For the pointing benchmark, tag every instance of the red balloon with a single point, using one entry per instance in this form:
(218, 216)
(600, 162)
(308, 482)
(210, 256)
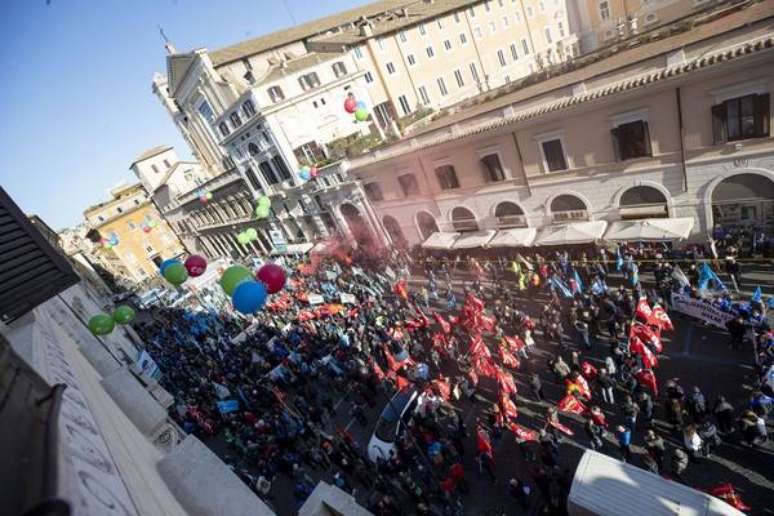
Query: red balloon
(273, 276)
(350, 105)
(195, 265)
(146, 229)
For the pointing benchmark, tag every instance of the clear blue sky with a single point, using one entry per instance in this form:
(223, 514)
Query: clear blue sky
(75, 95)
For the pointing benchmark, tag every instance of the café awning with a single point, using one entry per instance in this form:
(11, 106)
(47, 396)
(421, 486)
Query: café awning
(650, 229)
(440, 240)
(572, 233)
(474, 239)
(514, 237)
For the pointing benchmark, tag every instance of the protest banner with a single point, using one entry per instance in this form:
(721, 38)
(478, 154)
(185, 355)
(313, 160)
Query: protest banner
(146, 366)
(315, 299)
(348, 298)
(226, 406)
(701, 309)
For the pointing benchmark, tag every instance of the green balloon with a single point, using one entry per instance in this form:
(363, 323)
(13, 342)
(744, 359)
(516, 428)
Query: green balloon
(264, 201)
(243, 238)
(101, 324)
(361, 115)
(252, 233)
(262, 212)
(123, 314)
(175, 273)
(233, 276)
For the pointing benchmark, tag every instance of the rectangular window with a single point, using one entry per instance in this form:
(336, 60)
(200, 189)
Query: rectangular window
(359, 52)
(402, 36)
(487, 7)
(268, 173)
(404, 105)
(525, 46)
(474, 73)
(458, 78)
(447, 44)
(373, 191)
(339, 70)
(440, 23)
(456, 17)
(309, 80)
(369, 78)
(206, 111)
(548, 35)
(631, 140)
(493, 169)
(430, 52)
(741, 118)
(380, 43)
(501, 57)
(442, 87)
(517, 17)
(472, 12)
(132, 225)
(423, 96)
(529, 11)
(478, 32)
(409, 185)
(411, 59)
(604, 10)
(390, 68)
(560, 26)
(447, 177)
(542, 6)
(422, 30)
(506, 21)
(281, 167)
(463, 38)
(492, 27)
(553, 153)
(514, 52)
(253, 179)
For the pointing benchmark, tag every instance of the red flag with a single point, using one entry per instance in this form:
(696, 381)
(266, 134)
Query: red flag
(441, 387)
(561, 427)
(377, 370)
(402, 382)
(483, 365)
(474, 302)
(661, 319)
(647, 335)
(583, 387)
(454, 320)
(647, 378)
(727, 492)
(401, 288)
(514, 343)
(508, 359)
(649, 360)
(572, 404)
(505, 381)
(588, 370)
(483, 444)
(473, 376)
(445, 326)
(478, 348)
(422, 320)
(305, 315)
(487, 323)
(439, 341)
(507, 406)
(643, 310)
(523, 434)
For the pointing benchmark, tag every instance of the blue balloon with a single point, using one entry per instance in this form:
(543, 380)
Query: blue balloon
(361, 105)
(249, 297)
(165, 264)
(305, 175)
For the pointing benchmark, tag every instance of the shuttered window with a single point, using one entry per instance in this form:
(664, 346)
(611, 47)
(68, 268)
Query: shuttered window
(741, 118)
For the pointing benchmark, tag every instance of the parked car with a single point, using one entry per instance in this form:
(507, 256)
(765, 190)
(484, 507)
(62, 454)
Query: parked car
(392, 422)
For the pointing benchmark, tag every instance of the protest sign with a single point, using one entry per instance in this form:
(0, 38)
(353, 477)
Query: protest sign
(224, 407)
(315, 299)
(348, 298)
(701, 309)
(146, 366)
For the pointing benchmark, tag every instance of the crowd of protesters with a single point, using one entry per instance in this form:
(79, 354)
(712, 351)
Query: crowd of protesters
(271, 386)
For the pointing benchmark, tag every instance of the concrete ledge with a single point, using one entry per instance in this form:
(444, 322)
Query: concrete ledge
(205, 486)
(327, 499)
(137, 403)
(97, 356)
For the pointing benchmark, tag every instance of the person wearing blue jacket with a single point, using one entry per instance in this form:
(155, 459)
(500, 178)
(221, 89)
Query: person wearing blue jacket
(624, 436)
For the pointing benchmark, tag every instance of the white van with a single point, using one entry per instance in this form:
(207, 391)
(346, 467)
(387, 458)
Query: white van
(391, 423)
(606, 486)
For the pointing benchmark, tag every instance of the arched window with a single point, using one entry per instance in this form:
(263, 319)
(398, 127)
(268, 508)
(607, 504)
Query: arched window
(248, 108)
(393, 229)
(253, 149)
(427, 225)
(509, 215)
(744, 200)
(276, 94)
(463, 219)
(643, 202)
(236, 121)
(224, 130)
(568, 207)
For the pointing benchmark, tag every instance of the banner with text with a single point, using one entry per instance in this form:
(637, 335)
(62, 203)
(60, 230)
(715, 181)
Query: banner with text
(700, 309)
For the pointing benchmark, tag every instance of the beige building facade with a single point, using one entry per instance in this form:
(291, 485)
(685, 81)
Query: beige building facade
(143, 238)
(678, 128)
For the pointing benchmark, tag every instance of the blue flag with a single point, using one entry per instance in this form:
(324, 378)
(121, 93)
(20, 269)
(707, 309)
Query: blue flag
(578, 281)
(561, 286)
(635, 277)
(771, 302)
(707, 275)
(598, 287)
(757, 295)
(618, 259)
(228, 406)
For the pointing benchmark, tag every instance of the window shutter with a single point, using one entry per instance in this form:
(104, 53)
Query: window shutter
(646, 136)
(719, 129)
(616, 143)
(762, 115)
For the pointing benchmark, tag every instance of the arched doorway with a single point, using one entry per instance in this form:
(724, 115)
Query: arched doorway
(641, 202)
(567, 207)
(510, 215)
(744, 200)
(393, 229)
(463, 219)
(427, 225)
(357, 225)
